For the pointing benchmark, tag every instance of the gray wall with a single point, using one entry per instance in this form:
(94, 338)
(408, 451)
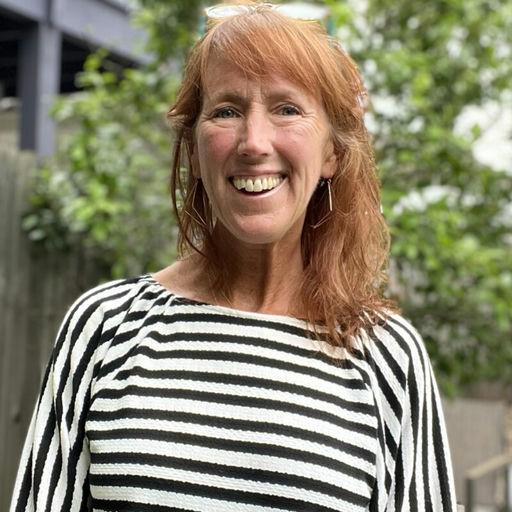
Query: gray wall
(100, 23)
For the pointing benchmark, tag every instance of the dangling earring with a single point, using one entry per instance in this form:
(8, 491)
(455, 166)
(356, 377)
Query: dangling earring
(200, 219)
(329, 193)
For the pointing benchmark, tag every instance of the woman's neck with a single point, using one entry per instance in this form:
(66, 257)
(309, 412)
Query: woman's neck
(261, 278)
(265, 278)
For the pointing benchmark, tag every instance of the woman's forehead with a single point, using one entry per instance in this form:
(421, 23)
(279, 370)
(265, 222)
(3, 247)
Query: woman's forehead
(224, 77)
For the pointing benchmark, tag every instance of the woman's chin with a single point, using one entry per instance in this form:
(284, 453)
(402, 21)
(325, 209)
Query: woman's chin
(261, 231)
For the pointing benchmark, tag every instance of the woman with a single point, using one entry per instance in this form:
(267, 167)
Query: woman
(263, 370)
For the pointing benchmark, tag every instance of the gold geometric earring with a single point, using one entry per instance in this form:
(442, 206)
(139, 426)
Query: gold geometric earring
(329, 193)
(200, 219)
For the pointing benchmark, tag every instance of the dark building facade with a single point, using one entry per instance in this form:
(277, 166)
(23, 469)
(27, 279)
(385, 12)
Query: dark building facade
(43, 44)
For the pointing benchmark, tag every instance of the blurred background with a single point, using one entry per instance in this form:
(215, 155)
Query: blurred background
(84, 169)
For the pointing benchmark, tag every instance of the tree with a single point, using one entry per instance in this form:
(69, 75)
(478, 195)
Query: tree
(424, 65)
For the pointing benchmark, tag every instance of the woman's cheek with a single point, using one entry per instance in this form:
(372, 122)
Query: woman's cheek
(218, 143)
(291, 143)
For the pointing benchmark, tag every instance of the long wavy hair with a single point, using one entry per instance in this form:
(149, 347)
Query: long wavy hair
(345, 257)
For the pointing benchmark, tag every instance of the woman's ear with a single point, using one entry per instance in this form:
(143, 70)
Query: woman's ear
(330, 162)
(194, 160)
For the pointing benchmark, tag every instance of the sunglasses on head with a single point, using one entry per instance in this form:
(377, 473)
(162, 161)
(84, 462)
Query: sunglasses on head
(296, 10)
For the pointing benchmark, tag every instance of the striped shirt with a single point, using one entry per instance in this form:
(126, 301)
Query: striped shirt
(157, 403)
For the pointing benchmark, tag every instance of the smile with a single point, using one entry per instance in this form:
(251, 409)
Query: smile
(255, 185)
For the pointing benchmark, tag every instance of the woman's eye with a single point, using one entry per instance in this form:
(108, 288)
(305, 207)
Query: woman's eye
(226, 113)
(289, 110)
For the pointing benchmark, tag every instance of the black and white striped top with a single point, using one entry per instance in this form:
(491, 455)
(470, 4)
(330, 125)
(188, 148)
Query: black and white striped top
(157, 403)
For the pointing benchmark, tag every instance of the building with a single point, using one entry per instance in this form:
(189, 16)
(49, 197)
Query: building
(43, 44)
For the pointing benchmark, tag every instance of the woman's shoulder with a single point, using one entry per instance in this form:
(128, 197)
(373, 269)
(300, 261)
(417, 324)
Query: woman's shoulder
(394, 333)
(97, 315)
(106, 303)
(393, 346)
(398, 367)
(106, 295)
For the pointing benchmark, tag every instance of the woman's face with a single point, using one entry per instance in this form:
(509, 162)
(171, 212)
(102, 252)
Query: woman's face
(260, 149)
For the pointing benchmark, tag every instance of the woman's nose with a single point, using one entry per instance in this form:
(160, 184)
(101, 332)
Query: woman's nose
(256, 137)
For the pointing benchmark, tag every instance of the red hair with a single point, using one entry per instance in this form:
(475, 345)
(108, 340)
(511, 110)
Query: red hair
(345, 257)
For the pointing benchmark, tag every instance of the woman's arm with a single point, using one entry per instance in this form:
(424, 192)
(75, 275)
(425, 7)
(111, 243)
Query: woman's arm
(416, 470)
(53, 471)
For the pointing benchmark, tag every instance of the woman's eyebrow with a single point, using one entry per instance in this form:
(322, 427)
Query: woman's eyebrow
(228, 96)
(281, 93)
(271, 95)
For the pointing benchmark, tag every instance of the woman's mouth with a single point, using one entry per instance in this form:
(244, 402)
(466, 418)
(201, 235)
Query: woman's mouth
(256, 185)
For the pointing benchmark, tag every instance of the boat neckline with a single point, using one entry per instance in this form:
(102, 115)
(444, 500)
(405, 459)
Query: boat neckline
(227, 309)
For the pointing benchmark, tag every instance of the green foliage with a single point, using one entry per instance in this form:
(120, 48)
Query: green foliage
(450, 216)
(106, 189)
(424, 64)
(171, 26)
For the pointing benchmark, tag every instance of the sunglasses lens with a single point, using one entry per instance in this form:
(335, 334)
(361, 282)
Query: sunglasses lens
(224, 11)
(303, 11)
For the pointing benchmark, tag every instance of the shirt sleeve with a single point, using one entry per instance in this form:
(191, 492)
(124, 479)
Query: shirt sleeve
(53, 470)
(416, 467)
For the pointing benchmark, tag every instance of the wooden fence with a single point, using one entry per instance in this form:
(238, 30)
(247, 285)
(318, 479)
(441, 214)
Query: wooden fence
(35, 291)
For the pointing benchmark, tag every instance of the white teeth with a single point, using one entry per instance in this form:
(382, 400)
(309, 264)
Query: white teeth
(257, 184)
